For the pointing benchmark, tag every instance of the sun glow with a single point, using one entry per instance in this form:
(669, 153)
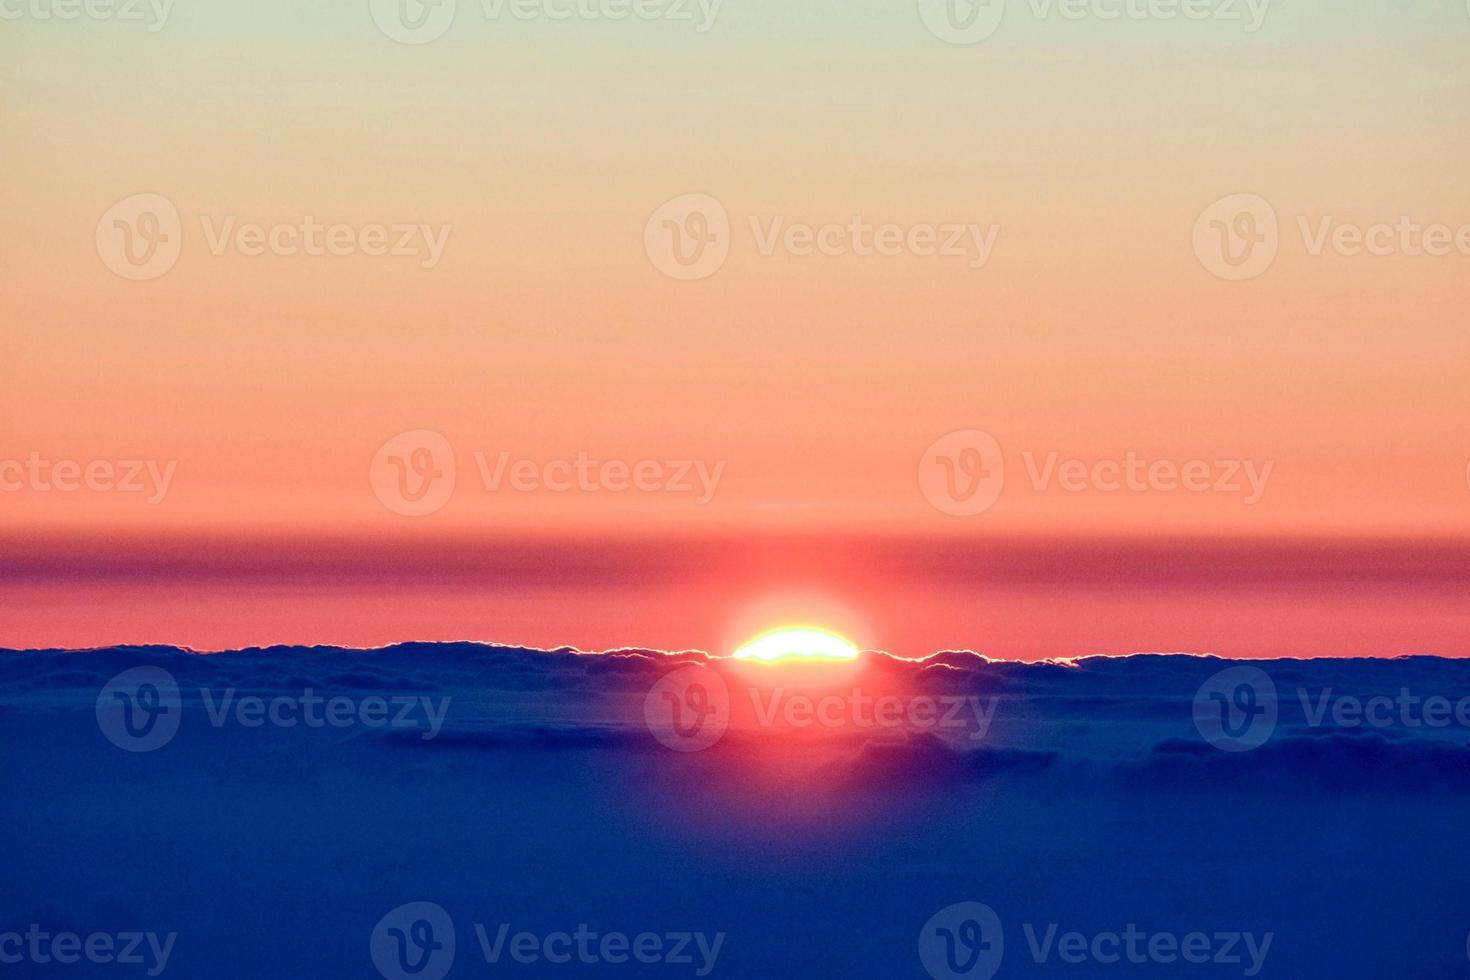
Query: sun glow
(800, 643)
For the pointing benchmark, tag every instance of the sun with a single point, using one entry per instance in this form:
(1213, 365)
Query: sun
(797, 643)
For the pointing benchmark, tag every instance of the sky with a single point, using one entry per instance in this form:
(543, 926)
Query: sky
(1086, 357)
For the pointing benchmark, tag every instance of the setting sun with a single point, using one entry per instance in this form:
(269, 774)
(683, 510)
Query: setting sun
(797, 643)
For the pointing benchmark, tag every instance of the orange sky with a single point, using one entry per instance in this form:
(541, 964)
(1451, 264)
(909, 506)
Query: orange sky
(528, 164)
